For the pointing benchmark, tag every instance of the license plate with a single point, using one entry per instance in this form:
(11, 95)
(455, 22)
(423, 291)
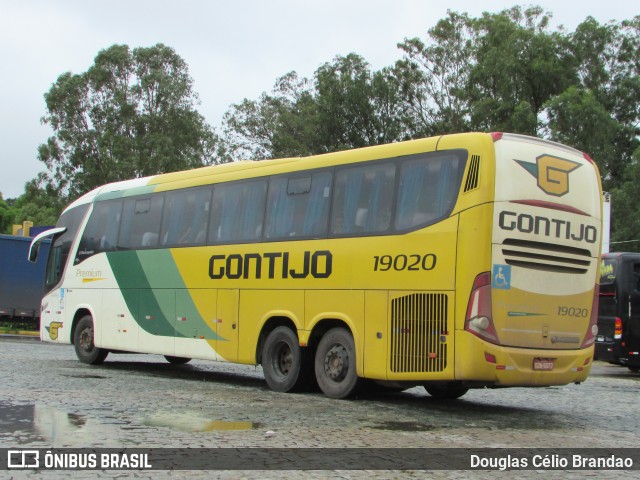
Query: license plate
(543, 363)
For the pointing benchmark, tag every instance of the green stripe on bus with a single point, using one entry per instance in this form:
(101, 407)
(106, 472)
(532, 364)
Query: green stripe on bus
(151, 287)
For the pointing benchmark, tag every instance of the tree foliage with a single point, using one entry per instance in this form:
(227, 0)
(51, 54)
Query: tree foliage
(507, 71)
(431, 77)
(131, 114)
(346, 105)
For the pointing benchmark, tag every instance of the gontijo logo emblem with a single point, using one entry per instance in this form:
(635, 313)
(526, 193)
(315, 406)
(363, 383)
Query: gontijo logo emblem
(552, 173)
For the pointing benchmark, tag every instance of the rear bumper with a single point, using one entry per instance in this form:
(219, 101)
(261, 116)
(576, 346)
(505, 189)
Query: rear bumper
(607, 352)
(494, 365)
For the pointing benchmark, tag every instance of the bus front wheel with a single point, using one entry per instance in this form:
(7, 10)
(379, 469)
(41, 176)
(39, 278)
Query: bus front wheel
(283, 361)
(86, 350)
(335, 364)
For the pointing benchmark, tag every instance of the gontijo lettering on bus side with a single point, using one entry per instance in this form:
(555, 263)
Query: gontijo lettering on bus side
(317, 264)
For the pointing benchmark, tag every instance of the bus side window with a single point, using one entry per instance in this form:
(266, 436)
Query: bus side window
(101, 232)
(428, 189)
(237, 211)
(141, 217)
(186, 217)
(363, 199)
(298, 206)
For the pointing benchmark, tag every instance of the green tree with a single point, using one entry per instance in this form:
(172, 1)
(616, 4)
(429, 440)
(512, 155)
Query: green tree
(601, 113)
(578, 119)
(345, 106)
(356, 107)
(431, 76)
(625, 231)
(518, 66)
(6, 216)
(281, 123)
(131, 114)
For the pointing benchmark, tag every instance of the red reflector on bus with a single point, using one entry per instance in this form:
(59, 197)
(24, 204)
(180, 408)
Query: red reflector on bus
(490, 357)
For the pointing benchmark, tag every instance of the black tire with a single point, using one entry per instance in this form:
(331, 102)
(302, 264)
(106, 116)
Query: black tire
(284, 363)
(177, 360)
(634, 369)
(335, 364)
(86, 351)
(446, 391)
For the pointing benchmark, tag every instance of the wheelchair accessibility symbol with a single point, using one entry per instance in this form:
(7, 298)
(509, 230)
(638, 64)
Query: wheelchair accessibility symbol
(501, 277)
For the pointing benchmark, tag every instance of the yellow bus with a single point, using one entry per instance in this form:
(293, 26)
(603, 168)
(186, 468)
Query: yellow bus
(453, 262)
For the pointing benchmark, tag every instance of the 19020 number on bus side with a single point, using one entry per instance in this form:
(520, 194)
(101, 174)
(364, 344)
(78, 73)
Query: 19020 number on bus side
(415, 262)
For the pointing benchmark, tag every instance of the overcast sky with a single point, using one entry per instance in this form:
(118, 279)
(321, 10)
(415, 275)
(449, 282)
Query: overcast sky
(235, 49)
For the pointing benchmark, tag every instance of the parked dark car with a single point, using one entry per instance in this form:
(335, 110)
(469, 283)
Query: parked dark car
(618, 339)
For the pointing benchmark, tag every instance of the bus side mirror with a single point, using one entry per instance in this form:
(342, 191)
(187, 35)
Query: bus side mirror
(34, 249)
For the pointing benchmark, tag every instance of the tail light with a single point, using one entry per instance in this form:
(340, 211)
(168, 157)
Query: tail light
(592, 331)
(617, 332)
(479, 319)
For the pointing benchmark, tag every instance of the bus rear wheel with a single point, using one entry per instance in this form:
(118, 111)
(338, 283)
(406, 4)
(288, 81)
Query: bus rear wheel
(86, 350)
(284, 362)
(446, 391)
(335, 364)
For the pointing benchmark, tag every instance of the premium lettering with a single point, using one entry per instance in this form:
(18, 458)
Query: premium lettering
(316, 264)
(548, 227)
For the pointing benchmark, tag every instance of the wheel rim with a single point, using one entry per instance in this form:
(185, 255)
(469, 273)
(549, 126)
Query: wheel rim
(336, 363)
(283, 359)
(86, 340)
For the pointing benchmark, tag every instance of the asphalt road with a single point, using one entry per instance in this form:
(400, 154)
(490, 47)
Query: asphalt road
(48, 399)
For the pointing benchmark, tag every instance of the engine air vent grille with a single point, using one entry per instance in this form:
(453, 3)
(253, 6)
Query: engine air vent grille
(546, 257)
(474, 174)
(418, 333)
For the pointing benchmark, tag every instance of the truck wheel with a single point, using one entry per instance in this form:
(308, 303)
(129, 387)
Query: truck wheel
(86, 351)
(335, 364)
(284, 362)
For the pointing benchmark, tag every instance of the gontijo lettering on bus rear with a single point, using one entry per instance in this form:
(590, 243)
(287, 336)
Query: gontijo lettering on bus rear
(547, 226)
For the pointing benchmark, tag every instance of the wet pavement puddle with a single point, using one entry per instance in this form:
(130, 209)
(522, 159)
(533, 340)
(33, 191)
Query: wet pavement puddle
(194, 422)
(32, 422)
